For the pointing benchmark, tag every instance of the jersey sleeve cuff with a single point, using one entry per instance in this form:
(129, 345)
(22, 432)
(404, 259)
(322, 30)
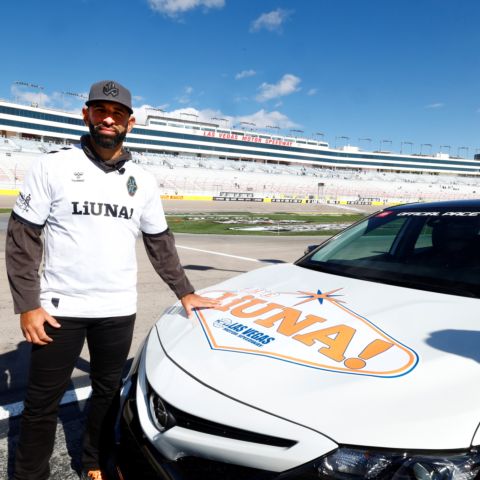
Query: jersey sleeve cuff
(26, 222)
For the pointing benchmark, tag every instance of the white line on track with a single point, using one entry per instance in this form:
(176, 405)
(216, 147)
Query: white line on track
(248, 259)
(79, 394)
(15, 409)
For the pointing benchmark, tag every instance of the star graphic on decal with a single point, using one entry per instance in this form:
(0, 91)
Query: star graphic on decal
(310, 296)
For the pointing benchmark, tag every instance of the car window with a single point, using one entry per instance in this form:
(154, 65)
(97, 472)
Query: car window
(368, 241)
(424, 239)
(437, 251)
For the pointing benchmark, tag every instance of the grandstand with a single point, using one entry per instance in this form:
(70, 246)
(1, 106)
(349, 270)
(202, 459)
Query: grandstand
(191, 176)
(183, 175)
(194, 158)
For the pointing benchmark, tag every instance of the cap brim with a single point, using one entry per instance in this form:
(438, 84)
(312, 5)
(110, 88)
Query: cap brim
(92, 100)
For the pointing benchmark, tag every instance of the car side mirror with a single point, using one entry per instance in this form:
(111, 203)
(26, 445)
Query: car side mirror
(309, 249)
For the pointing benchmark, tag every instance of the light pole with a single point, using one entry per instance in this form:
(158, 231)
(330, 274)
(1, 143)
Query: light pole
(156, 110)
(220, 120)
(190, 115)
(343, 137)
(406, 143)
(30, 85)
(73, 94)
(462, 148)
(248, 123)
(425, 145)
(276, 127)
(446, 146)
(319, 184)
(384, 141)
(296, 131)
(366, 139)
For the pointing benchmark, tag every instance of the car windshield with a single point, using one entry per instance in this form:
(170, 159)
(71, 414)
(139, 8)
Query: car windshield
(436, 250)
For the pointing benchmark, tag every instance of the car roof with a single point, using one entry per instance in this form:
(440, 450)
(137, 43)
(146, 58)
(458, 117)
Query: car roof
(451, 204)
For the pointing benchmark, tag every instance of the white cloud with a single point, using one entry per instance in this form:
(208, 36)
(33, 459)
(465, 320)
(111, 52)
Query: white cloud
(271, 21)
(66, 101)
(29, 97)
(261, 119)
(312, 91)
(245, 74)
(207, 115)
(435, 105)
(241, 98)
(189, 113)
(141, 113)
(287, 85)
(185, 97)
(173, 8)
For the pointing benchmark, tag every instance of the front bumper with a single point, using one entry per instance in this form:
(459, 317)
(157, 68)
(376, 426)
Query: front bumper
(218, 449)
(137, 458)
(214, 437)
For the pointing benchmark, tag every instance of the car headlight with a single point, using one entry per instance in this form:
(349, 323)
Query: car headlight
(351, 463)
(159, 412)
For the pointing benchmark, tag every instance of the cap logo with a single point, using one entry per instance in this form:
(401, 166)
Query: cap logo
(111, 89)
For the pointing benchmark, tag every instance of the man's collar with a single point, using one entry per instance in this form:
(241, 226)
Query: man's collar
(105, 165)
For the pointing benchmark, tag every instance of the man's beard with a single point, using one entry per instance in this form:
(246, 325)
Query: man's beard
(106, 141)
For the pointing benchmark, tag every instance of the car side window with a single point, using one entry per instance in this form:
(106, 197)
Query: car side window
(452, 242)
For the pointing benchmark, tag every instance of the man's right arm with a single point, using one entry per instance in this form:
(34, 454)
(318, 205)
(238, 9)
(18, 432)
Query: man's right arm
(23, 255)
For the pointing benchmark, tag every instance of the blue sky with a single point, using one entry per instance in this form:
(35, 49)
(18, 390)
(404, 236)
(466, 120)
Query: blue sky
(389, 71)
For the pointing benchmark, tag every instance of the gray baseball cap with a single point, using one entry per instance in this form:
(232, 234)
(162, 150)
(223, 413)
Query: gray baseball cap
(110, 91)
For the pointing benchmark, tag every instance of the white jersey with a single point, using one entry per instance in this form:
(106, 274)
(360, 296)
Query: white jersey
(92, 220)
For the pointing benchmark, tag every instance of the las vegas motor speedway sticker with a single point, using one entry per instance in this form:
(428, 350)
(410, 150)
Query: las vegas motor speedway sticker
(309, 328)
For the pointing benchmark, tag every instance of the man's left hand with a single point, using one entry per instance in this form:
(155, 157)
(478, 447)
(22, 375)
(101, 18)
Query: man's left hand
(192, 300)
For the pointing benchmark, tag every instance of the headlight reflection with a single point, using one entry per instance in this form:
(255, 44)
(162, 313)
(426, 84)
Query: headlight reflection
(352, 464)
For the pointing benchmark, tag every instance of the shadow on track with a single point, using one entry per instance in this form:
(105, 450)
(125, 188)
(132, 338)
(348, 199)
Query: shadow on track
(14, 366)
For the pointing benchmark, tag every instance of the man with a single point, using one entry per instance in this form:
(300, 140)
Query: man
(91, 202)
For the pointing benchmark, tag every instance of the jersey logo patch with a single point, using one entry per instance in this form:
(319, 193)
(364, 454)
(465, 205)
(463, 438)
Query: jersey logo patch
(132, 186)
(78, 177)
(23, 202)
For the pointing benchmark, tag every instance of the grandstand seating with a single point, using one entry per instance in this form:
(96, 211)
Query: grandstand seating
(190, 175)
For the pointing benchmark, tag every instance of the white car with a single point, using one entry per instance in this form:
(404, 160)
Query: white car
(359, 361)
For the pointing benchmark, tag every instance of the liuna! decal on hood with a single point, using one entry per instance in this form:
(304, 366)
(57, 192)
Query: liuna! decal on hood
(312, 329)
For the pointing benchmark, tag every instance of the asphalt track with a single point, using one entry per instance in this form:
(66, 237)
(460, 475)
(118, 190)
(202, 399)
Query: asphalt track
(207, 260)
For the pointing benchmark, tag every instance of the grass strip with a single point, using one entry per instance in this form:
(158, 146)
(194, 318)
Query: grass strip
(222, 223)
(235, 223)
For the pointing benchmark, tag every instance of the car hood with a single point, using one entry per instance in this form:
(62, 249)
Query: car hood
(360, 362)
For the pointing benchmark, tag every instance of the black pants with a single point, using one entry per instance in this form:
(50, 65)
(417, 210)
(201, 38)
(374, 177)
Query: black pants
(51, 366)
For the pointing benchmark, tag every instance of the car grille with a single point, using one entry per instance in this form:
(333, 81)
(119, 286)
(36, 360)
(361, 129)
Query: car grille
(191, 422)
